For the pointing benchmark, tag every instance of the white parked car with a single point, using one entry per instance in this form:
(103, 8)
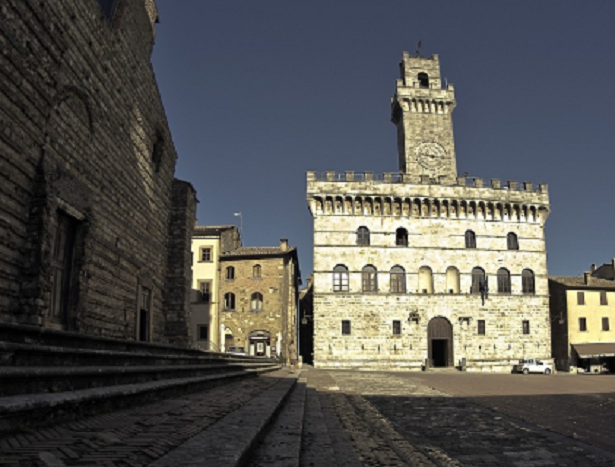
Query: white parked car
(533, 365)
(233, 350)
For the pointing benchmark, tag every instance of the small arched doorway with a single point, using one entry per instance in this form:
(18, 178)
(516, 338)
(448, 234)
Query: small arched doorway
(440, 342)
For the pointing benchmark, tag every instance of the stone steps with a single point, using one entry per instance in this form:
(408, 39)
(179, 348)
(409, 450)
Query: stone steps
(290, 425)
(36, 380)
(49, 376)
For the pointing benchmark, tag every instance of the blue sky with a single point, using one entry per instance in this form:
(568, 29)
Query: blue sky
(259, 92)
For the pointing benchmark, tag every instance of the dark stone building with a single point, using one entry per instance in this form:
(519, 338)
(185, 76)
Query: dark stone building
(94, 230)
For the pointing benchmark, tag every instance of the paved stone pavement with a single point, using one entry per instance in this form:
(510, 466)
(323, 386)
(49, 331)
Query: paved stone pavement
(131, 437)
(578, 406)
(475, 431)
(363, 419)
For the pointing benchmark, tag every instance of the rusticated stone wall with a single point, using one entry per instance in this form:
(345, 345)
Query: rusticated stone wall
(84, 147)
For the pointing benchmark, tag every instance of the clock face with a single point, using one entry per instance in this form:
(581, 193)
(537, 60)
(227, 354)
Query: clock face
(430, 155)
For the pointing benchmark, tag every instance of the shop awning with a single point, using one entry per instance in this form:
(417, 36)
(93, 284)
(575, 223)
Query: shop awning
(601, 349)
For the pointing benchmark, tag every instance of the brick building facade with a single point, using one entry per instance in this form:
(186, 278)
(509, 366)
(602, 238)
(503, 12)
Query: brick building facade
(423, 267)
(94, 229)
(258, 299)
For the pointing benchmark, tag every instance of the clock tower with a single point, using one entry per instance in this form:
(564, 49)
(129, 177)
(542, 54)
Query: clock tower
(422, 110)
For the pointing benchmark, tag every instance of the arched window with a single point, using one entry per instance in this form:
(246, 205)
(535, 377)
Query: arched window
(423, 80)
(363, 236)
(425, 280)
(256, 301)
(527, 281)
(478, 280)
(369, 279)
(401, 237)
(503, 280)
(398, 280)
(229, 301)
(230, 273)
(340, 278)
(511, 241)
(470, 239)
(452, 279)
(256, 270)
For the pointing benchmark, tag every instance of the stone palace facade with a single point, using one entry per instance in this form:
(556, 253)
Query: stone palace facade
(423, 267)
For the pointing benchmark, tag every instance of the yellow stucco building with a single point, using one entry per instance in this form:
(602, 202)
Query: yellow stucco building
(582, 311)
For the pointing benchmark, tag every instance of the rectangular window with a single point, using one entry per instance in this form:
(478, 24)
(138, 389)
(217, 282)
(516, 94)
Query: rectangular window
(206, 255)
(481, 327)
(603, 299)
(144, 314)
(202, 332)
(580, 298)
(396, 328)
(61, 267)
(582, 324)
(205, 291)
(345, 327)
(526, 327)
(605, 324)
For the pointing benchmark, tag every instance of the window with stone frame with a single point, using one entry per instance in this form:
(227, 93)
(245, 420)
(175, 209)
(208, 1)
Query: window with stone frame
(230, 273)
(503, 281)
(470, 238)
(204, 291)
(580, 298)
(363, 236)
(605, 324)
(526, 326)
(202, 332)
(478, 280)
(369, 279)
(603, 298)
(398, 280)
(512, 241)
(62, 267)
(582, 324)
(205, 255)
(528, 282)
(256, 271)
(401, 237)
(396, 327)
(145, 305)
(256, 301)
(481, 327)
(345, 327)
(340, 278)
(229, 301)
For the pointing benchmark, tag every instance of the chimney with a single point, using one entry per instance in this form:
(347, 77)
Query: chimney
(284, 244)
(593, 268)
(586, 276)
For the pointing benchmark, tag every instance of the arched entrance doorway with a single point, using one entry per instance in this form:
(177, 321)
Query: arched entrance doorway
(260, 344)
(440, 342)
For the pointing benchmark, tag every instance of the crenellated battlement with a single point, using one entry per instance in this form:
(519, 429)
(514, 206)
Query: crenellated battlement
(403, 178)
